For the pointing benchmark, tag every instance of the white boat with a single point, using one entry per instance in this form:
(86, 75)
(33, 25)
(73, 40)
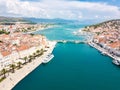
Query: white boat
(48, 58)
(104, 53)
(116, 62)
(74, 33)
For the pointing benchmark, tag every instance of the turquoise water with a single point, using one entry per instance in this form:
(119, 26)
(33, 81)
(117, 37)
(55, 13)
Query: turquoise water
(74, 67)
(62, 32)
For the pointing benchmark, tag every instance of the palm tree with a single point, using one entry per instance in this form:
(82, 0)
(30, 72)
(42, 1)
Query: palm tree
(41, 52)
(19, 65)
(25, 58)
(3, 71)
(12, 66)
(38, 52)
(34, 55)
(30, 58)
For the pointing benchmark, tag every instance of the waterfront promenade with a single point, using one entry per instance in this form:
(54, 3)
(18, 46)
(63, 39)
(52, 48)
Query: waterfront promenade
(102, 50)
(16, 77)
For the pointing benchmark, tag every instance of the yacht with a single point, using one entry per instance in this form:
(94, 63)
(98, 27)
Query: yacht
(116, 62)
(48, 58)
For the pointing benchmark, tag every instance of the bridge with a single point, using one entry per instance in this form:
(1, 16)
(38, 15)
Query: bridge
(70, 41)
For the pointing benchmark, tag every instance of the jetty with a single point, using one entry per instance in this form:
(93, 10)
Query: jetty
(70, 41)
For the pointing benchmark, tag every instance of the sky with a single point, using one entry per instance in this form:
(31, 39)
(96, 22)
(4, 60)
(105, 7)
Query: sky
(65, 9)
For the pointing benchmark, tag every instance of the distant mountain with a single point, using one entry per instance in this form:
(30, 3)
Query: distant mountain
(34, 20)
(57, 20)
(64, 21)
(53, 21)
(12, 19)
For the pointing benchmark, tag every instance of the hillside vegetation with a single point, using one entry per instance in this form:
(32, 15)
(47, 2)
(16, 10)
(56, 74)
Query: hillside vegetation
(108, 25)
(12, 19)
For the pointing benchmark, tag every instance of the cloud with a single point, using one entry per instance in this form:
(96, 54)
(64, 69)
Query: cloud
(59, 9)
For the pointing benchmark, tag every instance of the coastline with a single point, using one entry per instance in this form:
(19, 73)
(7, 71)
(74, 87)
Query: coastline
(103, 51)
(94, 45)
(40, 29)
(90, 39)
(16, 77)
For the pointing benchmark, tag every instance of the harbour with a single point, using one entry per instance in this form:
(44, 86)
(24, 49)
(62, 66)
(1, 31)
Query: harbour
(59, 45)
(83, 68)
(87, 67)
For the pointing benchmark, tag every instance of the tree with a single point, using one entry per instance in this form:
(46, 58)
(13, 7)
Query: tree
(25, 58)
(3, 71)
(19, 65)
(32, 34)
(41, 52)
(38, 51)
(30, 58)
(34, 55)
(12, 66)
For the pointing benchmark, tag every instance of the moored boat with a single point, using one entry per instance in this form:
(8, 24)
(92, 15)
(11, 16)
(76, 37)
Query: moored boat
(47, 58)
(116, 62)
(104, 53)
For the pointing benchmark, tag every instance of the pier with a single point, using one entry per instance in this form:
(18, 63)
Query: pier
(70, 41)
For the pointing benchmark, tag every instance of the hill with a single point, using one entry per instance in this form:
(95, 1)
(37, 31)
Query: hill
(11, 19)
(107, 36)
(107, 25)
(53, 21)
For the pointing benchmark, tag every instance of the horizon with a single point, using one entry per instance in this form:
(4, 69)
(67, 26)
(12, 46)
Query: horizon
(63, 9)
